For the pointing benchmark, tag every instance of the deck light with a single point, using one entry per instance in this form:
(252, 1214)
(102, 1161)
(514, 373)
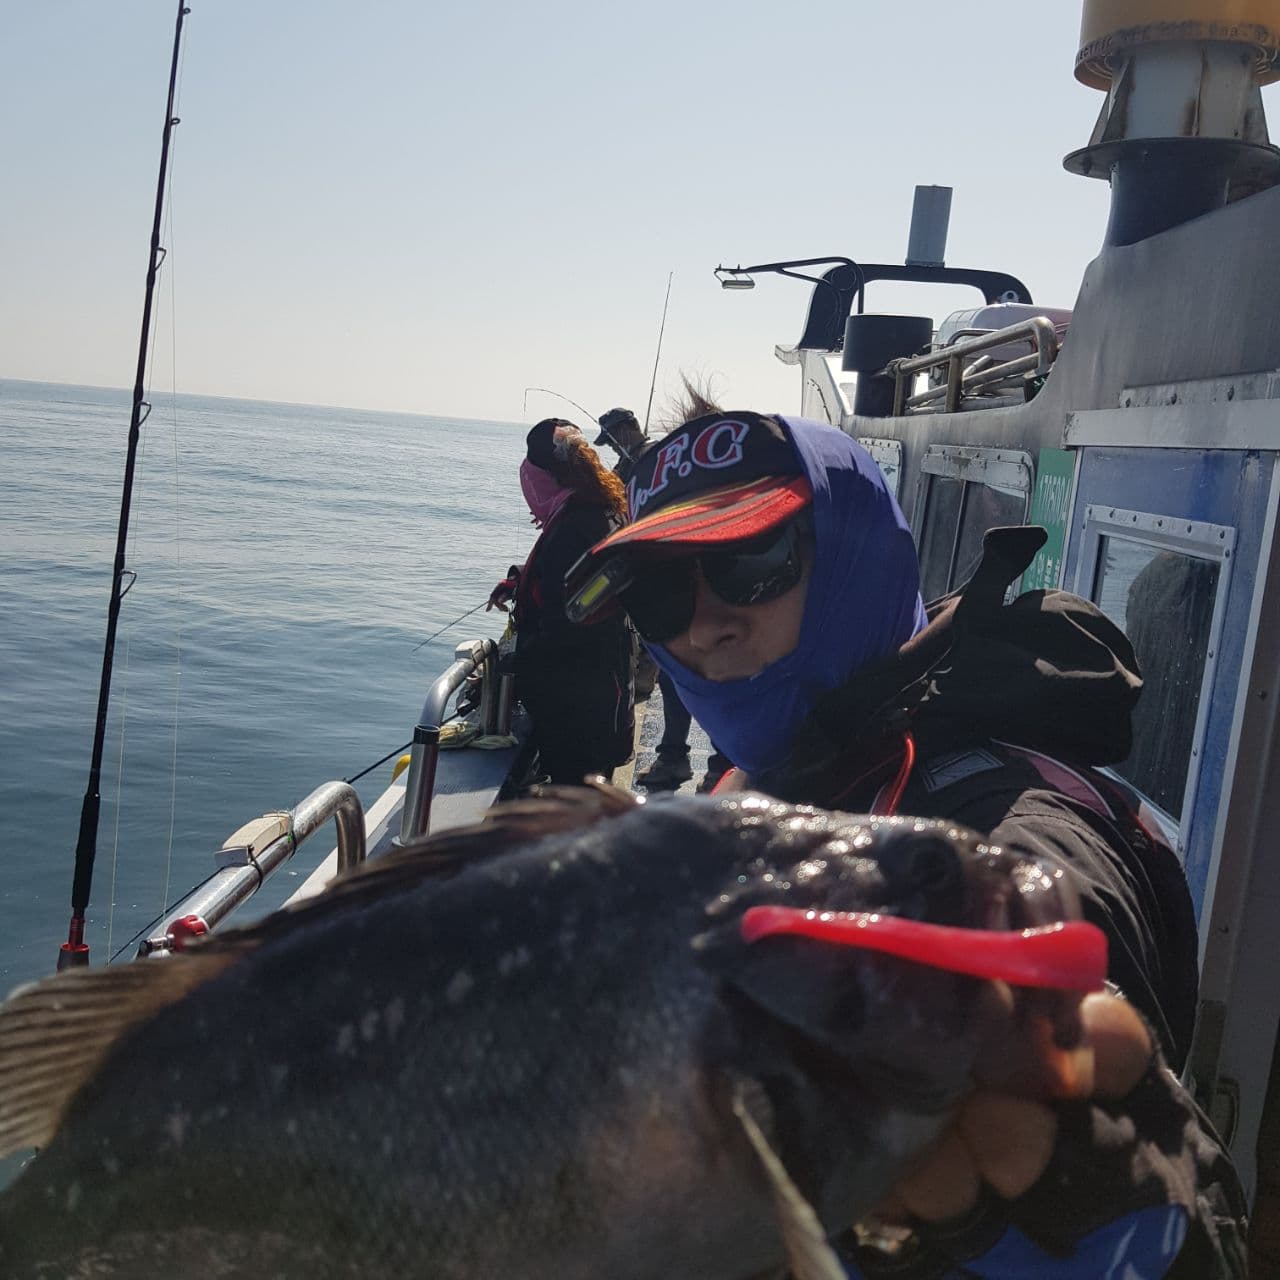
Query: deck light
(735, 278)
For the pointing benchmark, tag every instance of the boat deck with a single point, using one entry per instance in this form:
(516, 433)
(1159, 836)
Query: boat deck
(649, 723)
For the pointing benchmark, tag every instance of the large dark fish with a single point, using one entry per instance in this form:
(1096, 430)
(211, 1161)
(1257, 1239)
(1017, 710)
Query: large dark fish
(539, 1049)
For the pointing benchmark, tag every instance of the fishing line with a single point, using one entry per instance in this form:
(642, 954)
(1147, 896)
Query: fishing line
(447, 625)
(172, 282)
(75, 951)
(547, 391)
(135, 538)
(662, 328)
(155, 920)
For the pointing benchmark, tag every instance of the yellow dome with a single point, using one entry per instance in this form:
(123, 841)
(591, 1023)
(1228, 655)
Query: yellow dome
(1110, 27)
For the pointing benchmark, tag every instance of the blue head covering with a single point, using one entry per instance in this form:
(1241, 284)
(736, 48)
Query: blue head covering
(863, 604)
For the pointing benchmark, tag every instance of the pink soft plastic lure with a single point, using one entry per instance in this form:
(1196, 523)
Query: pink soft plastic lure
(1070, 956)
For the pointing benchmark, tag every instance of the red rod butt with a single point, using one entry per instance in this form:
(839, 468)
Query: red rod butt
(74, 953)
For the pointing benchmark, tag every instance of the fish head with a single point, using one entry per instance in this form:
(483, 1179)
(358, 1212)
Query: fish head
(859, 1057)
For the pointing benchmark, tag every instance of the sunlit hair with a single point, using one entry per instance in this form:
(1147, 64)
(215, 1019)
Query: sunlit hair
(693, 402)
(577, 466)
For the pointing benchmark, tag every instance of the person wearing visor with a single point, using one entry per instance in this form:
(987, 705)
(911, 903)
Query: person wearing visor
(574, 681)
(770, 572)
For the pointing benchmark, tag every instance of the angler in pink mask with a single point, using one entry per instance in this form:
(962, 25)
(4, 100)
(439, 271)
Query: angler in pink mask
(575, 681)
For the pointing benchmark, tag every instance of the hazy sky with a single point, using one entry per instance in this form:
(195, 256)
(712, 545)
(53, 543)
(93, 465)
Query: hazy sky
(407, 204)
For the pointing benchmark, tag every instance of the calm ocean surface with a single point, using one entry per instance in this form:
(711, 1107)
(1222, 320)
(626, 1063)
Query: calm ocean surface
(288, 559)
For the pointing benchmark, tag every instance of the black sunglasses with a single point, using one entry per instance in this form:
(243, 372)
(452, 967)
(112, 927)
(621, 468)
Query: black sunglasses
(659, 597)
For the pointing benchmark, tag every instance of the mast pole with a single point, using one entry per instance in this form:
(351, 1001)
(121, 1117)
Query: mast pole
(75, 951)
(657, 354)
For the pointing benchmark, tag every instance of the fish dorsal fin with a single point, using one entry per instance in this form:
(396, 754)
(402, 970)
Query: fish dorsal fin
(810, 1256)
(56, 1034)
(550, 811)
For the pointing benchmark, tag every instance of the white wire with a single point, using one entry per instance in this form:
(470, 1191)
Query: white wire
(133, 535)
(177, 531)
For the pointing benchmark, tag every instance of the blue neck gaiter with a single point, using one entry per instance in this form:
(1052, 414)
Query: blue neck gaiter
(863, 604)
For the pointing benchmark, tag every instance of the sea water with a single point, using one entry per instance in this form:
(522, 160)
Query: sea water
(289, 559)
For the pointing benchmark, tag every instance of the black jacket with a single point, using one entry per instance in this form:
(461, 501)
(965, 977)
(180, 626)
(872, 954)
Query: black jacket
(575, 680)
(988, 690)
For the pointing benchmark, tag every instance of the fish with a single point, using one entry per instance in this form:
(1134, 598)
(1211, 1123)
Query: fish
(542, 1047)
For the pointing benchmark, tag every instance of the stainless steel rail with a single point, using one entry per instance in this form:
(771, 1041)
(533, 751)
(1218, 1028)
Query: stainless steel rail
(1039, 330)
(470, 658)
(214, 900)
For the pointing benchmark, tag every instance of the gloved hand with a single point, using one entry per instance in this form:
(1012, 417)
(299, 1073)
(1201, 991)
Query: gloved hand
(501, 596)
(1065, 1162)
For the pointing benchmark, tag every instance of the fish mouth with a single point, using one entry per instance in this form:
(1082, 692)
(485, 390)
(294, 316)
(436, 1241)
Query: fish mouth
(947, 929)
(1066, 956)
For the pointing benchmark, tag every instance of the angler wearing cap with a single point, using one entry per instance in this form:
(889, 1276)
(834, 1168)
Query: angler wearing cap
(774, 579)
(620, 430)
(574, 681)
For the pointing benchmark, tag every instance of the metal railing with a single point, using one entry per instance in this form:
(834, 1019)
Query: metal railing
(476, 658)
(245, 867)
(1038, 330)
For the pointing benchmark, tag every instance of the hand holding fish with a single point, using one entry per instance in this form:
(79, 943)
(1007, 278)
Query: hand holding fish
(1053, 1157)
(1004, 1133)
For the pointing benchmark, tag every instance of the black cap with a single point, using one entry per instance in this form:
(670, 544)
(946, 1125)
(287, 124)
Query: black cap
(540, 442)
(614, 423)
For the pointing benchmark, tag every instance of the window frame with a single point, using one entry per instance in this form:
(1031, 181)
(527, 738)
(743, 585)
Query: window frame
(1008, 471)
(887, 455)
(1194, 538)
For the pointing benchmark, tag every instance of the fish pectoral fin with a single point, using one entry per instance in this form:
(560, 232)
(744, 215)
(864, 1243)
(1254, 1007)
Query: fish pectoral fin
(55, 1034)
(809, 1254)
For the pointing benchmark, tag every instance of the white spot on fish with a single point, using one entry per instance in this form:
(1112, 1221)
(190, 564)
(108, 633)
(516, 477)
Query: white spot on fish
(291, 1127)
(73, 1197)
(346, 1043)
(808, 870)
(393, 1015)
(175, 1125)
(513, 960)
(279, 1074)
(369, 1025)
(459, 985)
(110, 1165)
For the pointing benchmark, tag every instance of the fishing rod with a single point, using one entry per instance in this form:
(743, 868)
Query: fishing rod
(558, 396)
(658, 354)
(75, 951)
(447, 625)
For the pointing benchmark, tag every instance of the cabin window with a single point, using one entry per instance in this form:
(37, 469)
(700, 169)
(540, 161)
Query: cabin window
(966, 492)
(1161, 581)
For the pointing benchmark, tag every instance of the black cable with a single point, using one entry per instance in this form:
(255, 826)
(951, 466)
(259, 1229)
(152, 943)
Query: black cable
(457, 715)
(152, 923)
(376, 763)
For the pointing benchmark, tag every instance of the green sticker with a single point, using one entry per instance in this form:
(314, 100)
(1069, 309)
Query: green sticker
(1049, 507)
